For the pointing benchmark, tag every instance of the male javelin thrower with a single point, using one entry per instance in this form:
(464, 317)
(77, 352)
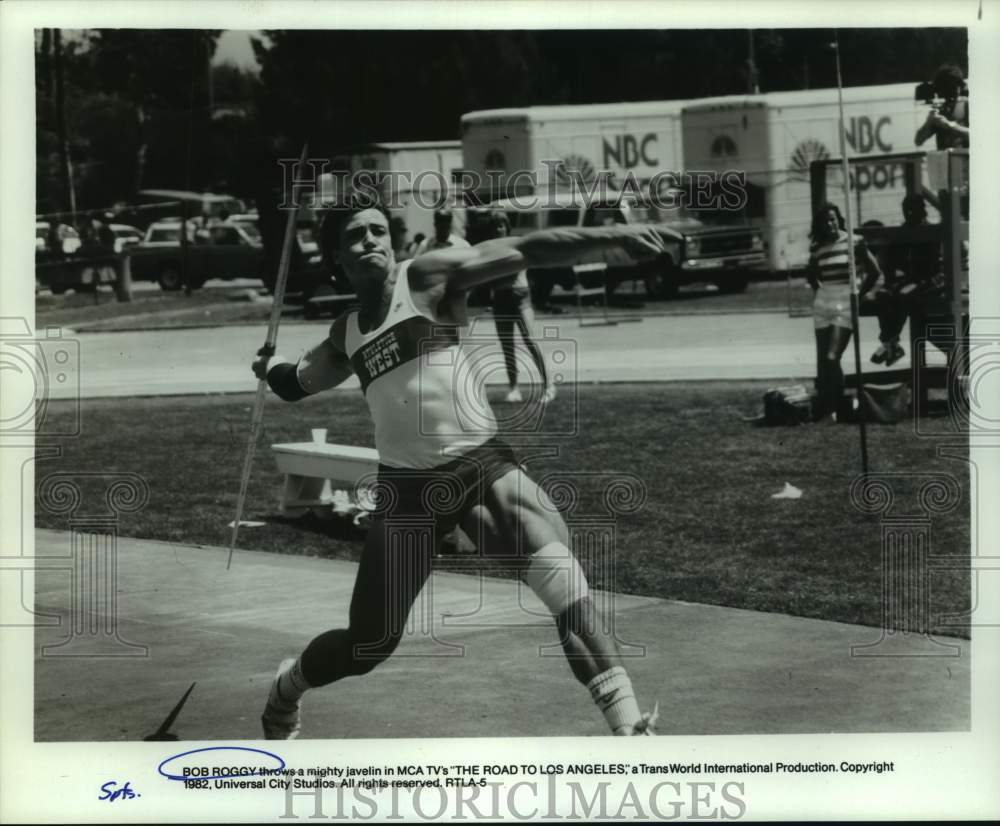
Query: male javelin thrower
(434, 429)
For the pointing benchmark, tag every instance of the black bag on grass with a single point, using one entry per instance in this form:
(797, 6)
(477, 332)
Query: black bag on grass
(789, 405)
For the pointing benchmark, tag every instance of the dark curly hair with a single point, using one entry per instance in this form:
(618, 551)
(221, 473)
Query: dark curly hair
(948, 80)
(333, 222)
(819, 220)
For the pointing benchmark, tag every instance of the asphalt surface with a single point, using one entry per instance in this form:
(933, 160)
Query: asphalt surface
(474, 664)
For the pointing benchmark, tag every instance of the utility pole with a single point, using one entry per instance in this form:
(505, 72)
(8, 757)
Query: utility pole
(211, 86)
(65, 165)
(753, 87)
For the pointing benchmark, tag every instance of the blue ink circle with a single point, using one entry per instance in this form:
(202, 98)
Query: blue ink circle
(220, 776)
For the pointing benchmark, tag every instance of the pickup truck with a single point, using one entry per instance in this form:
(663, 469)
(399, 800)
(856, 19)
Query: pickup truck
(221, 250)
(725, 256)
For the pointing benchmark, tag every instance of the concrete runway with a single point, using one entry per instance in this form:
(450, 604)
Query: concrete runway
(473, 667)
(663, 348)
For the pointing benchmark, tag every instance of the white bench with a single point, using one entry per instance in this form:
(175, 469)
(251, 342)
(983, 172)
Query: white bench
(311, 468)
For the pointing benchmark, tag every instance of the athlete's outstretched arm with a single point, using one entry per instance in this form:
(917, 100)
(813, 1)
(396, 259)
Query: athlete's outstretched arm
(324, 366)
(490, 260)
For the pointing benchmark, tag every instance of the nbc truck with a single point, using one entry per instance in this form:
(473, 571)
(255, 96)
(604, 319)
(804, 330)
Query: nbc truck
(774, 137)
(537, 150)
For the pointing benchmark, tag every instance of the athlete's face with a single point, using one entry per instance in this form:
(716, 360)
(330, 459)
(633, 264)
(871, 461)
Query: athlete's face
(366, 246)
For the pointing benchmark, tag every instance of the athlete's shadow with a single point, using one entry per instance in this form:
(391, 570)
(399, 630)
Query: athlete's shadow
(331, 525)
(455, 544)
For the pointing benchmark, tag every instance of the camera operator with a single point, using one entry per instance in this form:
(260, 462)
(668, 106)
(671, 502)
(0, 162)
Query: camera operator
(948, 120)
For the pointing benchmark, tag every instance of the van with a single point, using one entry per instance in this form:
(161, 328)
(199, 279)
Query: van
(774, 137)
(516, 151)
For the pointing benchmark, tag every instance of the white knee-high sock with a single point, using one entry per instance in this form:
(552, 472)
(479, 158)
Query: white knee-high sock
(290, 685)
(612, 692)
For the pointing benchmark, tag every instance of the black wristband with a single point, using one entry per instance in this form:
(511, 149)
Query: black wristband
(284, 381)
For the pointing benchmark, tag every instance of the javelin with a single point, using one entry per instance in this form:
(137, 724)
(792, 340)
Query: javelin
(267, 350)
(851, 262)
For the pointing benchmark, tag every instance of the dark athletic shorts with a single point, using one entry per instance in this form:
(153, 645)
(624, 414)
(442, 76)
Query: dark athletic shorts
(443, 495)
(510, 301)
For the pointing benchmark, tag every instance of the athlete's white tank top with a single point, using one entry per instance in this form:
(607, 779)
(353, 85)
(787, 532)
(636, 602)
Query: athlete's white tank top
(426, 395)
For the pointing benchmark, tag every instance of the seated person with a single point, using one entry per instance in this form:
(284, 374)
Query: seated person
(913, 280)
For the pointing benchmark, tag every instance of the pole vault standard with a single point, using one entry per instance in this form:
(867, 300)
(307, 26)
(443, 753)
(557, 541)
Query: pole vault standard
(849, 219)
(267, 350)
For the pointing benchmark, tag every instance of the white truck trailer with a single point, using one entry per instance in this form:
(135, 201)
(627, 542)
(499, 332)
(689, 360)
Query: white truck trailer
(420, 173)
(775, 136)
(548, 152)
(520, 151)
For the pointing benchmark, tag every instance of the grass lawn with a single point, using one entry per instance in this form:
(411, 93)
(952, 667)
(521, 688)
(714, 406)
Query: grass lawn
(156, 309)
(148, 309)
(709, 531)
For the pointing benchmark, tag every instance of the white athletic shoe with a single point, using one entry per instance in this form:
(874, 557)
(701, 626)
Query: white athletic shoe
(550, 394)
(646, 726)
(278, 721)
(514, 396)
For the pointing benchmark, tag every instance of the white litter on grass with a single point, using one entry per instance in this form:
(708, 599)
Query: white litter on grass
(787, 492)
(245, 524)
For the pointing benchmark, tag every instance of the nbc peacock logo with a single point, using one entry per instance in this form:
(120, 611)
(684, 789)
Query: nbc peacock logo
(805, 153)
(574, 169)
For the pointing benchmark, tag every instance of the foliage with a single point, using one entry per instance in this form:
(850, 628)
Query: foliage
(140, 111)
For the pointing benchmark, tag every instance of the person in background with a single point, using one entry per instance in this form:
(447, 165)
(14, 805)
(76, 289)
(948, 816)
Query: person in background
(912, 275)
(512, 309)
(828, 273)
(397, 232)
(948, 122)
(414, 245)
(443, 237)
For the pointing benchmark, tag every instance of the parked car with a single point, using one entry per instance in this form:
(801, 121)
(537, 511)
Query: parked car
(68, 236)
(125, 236)
(167, 233)
(73, 264)
(222, 250)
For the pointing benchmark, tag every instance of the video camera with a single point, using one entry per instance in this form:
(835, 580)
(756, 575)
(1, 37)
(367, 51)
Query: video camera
(926, 93)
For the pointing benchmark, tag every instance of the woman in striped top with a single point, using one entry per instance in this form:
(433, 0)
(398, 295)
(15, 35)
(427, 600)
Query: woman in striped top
(829, 275)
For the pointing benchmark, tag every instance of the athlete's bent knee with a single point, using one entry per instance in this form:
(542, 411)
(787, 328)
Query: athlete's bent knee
(556, 577)
(364, 656)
